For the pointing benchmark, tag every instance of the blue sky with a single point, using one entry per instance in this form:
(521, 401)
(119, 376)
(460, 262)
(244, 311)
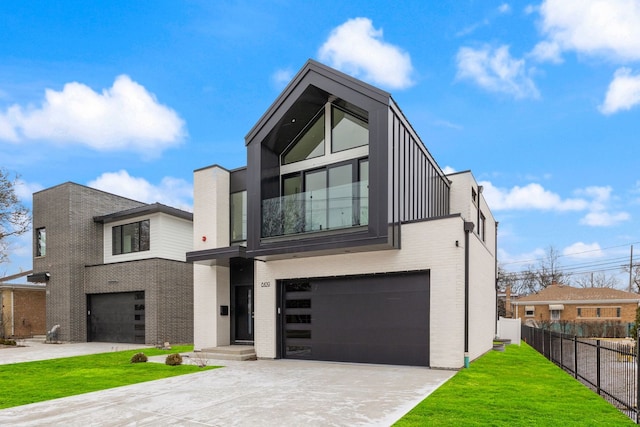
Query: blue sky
(540, 100)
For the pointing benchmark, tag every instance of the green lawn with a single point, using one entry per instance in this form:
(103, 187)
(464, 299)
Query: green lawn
(31, 382)
(518, 387)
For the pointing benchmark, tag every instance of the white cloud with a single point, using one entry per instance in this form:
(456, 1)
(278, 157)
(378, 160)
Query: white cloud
(495, 70)
(583, 250)
(357, 48)
(504, 8)
(604, 219)
(595, 27)
(531, 196)
(282, 77)
(24, 190)
(623, 92)
(123, 117)
(594, 200)
(171, 191)
(448, 170)
(598, 215)
(547, 51)
(447, 124)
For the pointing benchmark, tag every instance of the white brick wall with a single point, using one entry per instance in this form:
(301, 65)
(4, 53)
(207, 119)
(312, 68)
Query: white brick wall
(425, 245)
(210, 291)
(211, 208)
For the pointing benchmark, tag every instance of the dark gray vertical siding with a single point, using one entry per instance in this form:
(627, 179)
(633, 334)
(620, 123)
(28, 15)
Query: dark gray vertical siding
(420, 190)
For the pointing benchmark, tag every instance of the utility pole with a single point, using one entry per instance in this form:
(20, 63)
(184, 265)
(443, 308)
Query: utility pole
(631, 270)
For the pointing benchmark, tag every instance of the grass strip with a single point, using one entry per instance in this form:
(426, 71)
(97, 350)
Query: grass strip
(514, 388)
(31, 382)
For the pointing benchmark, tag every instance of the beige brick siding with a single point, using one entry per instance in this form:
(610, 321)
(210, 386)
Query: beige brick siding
(23, 312)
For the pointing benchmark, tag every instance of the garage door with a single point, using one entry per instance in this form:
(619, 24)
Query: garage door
(117, 317)
(368, 319)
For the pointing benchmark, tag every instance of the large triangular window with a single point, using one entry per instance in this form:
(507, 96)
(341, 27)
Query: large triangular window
(347, 131)
(309, 143)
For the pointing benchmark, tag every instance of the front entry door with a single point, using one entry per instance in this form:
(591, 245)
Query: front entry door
(243, 313)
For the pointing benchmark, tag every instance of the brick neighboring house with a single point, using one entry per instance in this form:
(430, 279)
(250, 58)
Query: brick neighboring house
(114, 268)
(342, 239)
(564, 304)
(22, 309)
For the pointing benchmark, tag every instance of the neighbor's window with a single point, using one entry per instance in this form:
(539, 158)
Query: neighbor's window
(529, 312)
(555, 314)
(132, 237)
(41, 241)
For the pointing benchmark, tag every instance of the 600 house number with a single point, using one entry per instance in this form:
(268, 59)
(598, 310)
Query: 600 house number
(265, 284)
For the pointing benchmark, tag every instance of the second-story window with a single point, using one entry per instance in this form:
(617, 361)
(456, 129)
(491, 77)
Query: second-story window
(41, 242)
(132, 237)
(238, 217)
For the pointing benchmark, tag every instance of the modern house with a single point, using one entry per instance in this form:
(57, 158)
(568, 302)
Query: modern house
(114, 269)
(342, 239)
(565, 305)
(22, 308)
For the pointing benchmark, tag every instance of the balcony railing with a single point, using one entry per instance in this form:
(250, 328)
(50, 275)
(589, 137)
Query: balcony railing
(331, 208)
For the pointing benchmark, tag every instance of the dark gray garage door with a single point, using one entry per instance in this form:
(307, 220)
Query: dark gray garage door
(117, 317)
(368, 319)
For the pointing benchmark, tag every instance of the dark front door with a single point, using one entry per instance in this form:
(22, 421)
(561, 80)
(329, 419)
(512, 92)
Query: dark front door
(243, 313)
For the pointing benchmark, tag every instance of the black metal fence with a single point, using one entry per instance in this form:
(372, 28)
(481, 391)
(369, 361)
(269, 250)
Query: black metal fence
(608, 368)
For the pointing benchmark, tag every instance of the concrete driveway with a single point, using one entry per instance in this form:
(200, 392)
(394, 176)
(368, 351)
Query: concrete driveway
(262, 393)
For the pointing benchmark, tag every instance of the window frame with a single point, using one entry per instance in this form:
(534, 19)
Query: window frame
(143, 238)
(243, 215)
(41, 242)
(356, 175)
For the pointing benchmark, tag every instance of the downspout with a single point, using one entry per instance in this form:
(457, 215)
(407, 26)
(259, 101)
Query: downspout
(468, 228)
(495, 257)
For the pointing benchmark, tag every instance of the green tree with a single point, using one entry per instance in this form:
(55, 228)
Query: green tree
(14, 217)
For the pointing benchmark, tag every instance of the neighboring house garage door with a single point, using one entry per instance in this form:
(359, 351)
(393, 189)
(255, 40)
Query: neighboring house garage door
(369, 319)
(117, 317)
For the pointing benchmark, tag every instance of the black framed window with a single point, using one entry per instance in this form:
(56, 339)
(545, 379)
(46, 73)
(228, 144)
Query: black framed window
(238, 215)
(41, 241)
(133, 237)
(330, 197)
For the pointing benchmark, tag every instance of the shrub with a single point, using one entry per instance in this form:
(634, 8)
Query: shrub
(173, 360)
(7, 342)
(139, 358)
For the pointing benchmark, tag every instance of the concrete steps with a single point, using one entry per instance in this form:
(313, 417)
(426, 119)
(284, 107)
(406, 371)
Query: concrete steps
(228, 352)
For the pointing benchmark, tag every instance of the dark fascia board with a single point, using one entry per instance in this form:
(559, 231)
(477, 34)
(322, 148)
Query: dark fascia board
(144, 210)
(312, 66)
(217, 254)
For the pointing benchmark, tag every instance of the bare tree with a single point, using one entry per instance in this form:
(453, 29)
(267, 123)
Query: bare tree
(537, 277)
(548, 270)
(635, 276)
(14, 217)
(596, 280)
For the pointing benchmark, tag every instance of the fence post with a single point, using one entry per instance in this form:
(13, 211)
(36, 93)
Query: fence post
(598, 366)
(637, 374)
(575, 356)
(561, 360)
